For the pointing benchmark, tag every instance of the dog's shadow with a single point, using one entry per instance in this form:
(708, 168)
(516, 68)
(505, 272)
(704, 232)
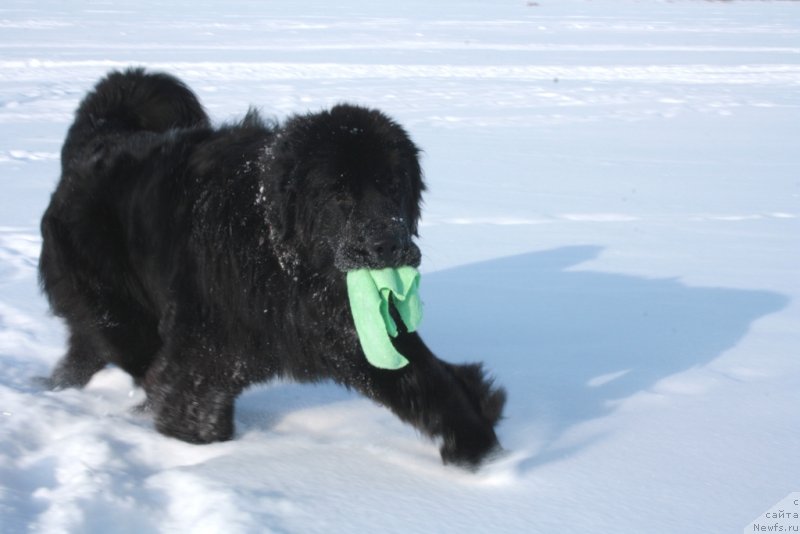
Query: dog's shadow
(568, 343)
(565, 343)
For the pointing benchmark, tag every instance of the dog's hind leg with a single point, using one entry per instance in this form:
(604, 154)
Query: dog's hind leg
(87, 276)
(78, 365)
(130, 336)
(128, 339)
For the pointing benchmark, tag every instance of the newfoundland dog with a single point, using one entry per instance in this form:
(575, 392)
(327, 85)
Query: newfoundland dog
(204, 259)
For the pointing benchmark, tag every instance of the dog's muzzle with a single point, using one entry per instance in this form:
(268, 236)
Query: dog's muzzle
(387, 244)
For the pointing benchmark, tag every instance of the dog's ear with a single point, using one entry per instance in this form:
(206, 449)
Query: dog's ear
(417, 187)
(280, 201)
(413, 173)
(278, 196)
(285, 163)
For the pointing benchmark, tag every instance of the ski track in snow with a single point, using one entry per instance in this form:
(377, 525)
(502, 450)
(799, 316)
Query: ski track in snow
(615, 183)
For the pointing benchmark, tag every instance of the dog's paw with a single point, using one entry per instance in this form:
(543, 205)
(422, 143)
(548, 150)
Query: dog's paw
(471, 451)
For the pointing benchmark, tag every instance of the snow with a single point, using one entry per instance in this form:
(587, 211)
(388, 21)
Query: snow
(612, 225)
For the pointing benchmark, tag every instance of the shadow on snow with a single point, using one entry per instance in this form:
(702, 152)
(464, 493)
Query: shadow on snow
(567, 343)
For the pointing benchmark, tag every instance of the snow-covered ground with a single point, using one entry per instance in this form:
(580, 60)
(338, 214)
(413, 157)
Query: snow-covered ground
(613, 225)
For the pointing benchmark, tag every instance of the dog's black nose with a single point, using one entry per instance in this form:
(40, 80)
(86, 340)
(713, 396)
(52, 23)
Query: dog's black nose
(391, 246)
(389, 249)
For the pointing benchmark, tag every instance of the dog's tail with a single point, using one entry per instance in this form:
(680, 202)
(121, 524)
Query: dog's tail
(133, 101)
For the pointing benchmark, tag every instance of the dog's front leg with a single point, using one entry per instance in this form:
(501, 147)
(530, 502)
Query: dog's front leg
(191, 399)
(455, 403)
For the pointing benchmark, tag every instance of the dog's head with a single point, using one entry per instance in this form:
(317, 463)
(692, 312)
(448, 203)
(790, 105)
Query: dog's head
(344, 190)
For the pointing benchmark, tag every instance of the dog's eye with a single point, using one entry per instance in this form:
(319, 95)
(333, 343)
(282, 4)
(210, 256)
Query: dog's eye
(395, 190)
(343, 200)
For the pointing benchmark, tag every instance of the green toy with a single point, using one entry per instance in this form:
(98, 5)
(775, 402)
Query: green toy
(370, 291)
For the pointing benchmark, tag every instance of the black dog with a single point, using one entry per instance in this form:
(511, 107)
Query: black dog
(202, 260)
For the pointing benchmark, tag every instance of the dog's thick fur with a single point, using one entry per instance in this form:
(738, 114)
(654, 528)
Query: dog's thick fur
(201, 260)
